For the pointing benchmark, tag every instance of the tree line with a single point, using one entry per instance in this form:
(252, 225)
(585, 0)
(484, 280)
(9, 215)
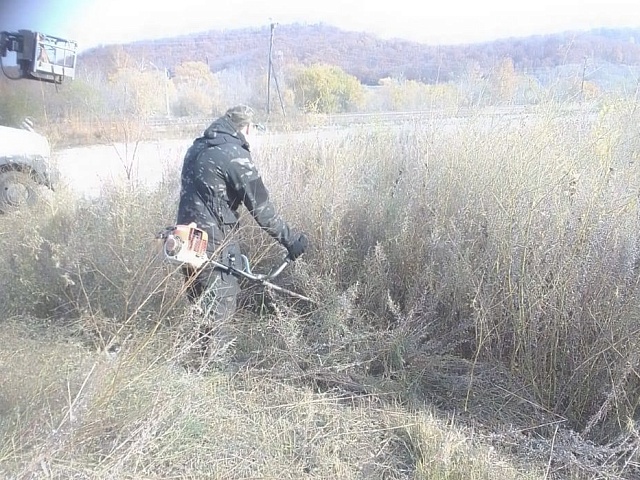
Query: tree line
(370, 58)
(140, 81)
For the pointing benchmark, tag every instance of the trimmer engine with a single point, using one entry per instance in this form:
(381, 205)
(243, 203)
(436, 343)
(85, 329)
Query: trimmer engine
(185, 244)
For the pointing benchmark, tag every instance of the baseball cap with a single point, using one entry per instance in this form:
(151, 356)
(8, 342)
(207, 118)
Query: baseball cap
(240, 115)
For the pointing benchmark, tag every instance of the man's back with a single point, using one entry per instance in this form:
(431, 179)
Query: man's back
(209, 196)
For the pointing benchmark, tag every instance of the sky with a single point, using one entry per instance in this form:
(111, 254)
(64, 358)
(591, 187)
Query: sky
(441, 22)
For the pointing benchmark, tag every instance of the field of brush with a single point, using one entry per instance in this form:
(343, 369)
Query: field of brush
(475, 314)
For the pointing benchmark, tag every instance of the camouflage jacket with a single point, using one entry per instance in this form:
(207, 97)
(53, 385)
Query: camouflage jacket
(218, 175)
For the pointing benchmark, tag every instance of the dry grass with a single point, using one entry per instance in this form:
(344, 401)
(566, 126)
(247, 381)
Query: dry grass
(135, 415)
(476, 316)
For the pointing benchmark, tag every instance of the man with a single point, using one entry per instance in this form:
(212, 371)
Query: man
(218, 175)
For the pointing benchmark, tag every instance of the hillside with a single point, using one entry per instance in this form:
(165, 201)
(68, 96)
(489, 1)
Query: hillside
(370, 58)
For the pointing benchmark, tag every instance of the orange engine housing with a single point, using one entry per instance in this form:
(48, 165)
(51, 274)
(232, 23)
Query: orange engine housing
(186, 244)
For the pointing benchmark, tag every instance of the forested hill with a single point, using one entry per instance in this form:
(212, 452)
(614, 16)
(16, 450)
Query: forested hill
(371, 58)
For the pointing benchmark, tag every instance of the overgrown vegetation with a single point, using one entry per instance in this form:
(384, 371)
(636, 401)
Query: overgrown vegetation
(475, 316)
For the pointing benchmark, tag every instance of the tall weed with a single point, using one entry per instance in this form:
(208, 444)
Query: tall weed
(493, 241)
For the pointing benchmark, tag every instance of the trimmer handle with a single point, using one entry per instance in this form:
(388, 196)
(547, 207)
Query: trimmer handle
(287, 260)
(246, 267)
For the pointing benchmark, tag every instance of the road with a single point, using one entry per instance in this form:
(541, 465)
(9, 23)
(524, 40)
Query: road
(86, 170)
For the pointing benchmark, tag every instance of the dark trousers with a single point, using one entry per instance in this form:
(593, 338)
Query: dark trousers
(215, 289)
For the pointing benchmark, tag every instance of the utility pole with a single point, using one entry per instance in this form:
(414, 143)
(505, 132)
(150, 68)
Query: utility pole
(271, 73)
(166, 80)
(273, 27)
(584, 71)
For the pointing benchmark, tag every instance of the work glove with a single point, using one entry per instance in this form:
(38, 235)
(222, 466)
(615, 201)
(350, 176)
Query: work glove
(298, 246)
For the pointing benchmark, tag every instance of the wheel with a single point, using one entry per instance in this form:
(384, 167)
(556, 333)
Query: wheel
(17, 190)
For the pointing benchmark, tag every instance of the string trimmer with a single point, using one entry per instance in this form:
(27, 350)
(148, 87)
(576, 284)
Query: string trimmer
(187, 244)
